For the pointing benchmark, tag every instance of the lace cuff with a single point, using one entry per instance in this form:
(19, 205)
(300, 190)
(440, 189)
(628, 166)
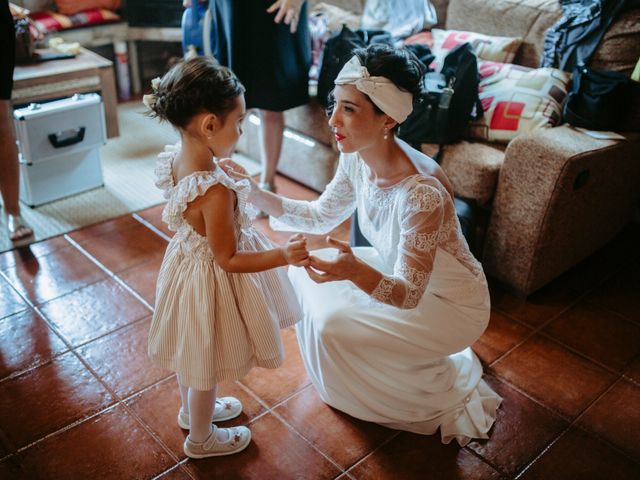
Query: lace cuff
(297, 216)
(383, 290)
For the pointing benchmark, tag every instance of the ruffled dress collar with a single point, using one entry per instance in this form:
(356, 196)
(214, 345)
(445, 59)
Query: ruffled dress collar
(188, 188)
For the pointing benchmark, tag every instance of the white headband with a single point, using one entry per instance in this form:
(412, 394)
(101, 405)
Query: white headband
(396, 103)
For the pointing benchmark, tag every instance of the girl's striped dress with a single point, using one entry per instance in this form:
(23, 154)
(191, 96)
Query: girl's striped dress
(210, 325)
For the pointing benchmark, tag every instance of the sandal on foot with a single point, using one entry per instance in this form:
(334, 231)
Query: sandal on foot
(17, 227)
(239, 439)
(226, 408)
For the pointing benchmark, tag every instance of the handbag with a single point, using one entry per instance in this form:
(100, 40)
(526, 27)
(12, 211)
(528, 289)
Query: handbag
(448, 101)
(598, 100)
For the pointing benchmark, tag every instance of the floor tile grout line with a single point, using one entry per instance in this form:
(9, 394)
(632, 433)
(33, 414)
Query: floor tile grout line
(69, 426)
(112, 275)
(527, 395)
(608, 442)
(484, 460)
(570, 422)
(393, 436)
(117, 401)
(151, 226)
(175, 467)
(544, 450)
(538, 329)
(309, 442)
(585, 356)
(70, 348)
(609, 310)
(281, 419)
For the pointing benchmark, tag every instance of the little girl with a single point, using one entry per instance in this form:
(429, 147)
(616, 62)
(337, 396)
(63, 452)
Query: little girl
(220, 300)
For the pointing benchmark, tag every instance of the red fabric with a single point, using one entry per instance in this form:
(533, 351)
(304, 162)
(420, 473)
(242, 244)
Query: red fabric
(51, 22)
(454, 39)
(422, 37)
(506, 116)
(70, 7)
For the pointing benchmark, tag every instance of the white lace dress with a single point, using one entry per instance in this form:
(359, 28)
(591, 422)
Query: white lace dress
(401, 358)
(210, 325)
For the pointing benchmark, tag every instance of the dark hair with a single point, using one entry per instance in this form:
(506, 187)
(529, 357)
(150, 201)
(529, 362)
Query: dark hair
(194, 86)
(399, 65)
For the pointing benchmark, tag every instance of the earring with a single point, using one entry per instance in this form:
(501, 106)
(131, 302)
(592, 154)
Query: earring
(386, 134)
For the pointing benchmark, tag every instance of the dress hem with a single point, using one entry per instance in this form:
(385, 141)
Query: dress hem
(198, 383)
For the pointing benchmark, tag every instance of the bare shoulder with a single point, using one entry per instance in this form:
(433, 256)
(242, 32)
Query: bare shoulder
(217, 193)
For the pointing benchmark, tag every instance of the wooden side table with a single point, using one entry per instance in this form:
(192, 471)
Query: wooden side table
(87, 72)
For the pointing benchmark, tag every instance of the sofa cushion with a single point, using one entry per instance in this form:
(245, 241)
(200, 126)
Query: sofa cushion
(518, 99)
(472, 167)
(527, 19)
(497, 49)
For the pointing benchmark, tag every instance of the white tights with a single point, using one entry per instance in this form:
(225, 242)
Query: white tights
(200, 405)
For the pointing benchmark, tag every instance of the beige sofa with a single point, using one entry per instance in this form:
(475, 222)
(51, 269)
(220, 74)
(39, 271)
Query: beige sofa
(551, 197)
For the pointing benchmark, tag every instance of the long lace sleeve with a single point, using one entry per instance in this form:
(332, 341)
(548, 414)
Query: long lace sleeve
(420, 227)
(320, 216)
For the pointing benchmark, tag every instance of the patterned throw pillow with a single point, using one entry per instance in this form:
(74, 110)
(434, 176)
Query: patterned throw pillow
(48, 21)
(71, 7)
(497, 49)
(441, 42)
(518, 99)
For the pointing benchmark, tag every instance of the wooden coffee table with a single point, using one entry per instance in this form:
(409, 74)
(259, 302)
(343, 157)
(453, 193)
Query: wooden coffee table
(87, 72)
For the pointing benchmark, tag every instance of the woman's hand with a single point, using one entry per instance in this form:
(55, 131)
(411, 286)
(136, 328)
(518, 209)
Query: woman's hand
(343, 267)
(237, 172)
(295, 251)
(289, 10)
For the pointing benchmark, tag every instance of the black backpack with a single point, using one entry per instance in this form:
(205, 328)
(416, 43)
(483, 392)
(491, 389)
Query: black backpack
(338, 50)
(443, 110)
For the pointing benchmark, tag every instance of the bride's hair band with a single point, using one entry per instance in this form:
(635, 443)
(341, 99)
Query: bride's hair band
(396, 103)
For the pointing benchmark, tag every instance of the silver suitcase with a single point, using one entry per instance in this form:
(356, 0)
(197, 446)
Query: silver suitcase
(59, 144)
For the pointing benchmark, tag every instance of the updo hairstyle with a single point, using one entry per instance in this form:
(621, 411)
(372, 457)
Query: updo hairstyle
(194, 86)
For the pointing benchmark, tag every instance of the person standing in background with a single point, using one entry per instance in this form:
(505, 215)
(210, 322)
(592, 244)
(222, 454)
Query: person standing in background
(9, 168)
(267, 45)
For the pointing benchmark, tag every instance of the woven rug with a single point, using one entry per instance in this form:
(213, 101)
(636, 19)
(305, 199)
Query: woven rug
(128, 162)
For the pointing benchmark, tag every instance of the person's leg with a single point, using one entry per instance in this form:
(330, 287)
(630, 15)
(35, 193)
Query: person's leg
(184, 395)
(206, 439)
(9, 174)
(201, 408)
(271, 131)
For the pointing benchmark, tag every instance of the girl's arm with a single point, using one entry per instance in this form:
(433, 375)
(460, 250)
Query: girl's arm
(218, 210)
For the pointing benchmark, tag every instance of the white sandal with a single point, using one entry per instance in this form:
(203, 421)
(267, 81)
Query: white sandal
(239, 439)
(17, 227)
(226, 408)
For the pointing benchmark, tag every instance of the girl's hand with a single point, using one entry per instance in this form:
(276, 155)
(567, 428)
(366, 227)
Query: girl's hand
(342, 268)
(289, 10)
(237, 172)
(295, 251)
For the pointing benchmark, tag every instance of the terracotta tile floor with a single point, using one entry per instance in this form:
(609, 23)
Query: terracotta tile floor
(79, 399)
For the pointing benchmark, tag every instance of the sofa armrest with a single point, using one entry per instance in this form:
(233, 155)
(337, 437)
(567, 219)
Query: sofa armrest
(561, 195)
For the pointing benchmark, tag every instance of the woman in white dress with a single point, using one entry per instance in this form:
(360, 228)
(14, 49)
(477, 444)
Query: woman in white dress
(387, 329)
